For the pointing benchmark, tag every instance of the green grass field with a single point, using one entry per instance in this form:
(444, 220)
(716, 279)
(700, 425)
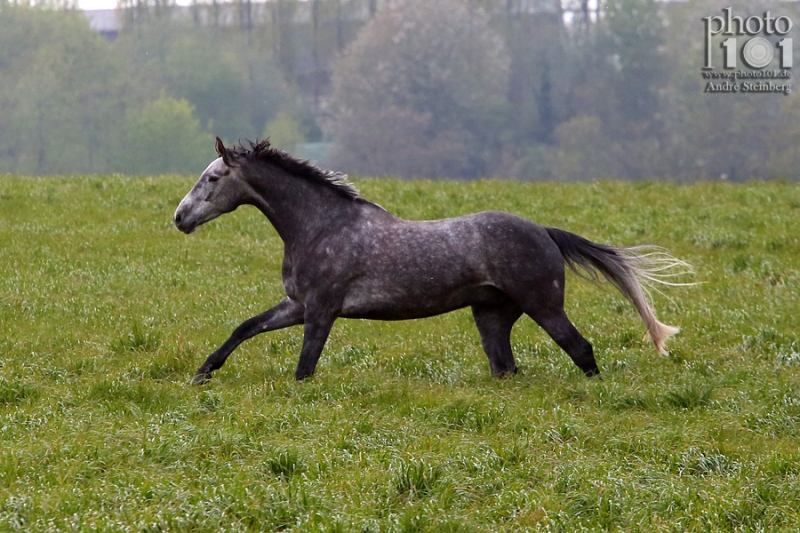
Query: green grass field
(107, 310)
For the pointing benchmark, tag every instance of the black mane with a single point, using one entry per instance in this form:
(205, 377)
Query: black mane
(261, 151)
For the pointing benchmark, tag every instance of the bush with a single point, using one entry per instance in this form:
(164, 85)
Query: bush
(164, 138)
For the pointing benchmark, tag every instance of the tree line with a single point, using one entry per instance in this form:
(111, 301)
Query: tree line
(528, 89)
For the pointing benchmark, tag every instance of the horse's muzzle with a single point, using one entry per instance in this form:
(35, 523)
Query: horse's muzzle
(182, 224)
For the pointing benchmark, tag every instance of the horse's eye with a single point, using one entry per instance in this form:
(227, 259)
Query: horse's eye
(212, 179)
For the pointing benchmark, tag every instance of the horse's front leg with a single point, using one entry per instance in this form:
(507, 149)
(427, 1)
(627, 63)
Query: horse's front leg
(287, 313)
(318, 323)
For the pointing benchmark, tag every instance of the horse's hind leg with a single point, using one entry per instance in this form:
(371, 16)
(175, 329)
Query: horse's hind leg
(559, 327)
(494, 323)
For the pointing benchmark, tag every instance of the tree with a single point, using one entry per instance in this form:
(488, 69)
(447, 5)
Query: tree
(436, 75)
(537, 45)
(284, 132)
(165, 137)
(212, 79)
(634, 40)
(729, 136)
(62, 93)
(235, 87)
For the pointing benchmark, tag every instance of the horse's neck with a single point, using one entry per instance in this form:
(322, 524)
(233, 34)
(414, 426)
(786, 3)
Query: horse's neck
(298, 208)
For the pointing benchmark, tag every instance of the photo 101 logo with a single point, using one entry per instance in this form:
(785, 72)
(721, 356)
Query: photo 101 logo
(749, 46)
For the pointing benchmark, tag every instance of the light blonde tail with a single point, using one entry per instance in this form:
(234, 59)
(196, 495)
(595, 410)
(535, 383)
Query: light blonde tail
(657, 332)
(662, 333)
(629, 269)
(648, 266)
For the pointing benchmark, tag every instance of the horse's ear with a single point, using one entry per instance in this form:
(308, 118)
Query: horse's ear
(223, 152)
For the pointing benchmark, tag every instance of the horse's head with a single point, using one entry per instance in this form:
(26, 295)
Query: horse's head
(219, 190)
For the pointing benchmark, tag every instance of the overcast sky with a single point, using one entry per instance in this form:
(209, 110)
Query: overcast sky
(96, 4)
(111, 4)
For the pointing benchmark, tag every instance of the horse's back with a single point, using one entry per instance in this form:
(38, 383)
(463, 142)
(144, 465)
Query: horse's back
(408, 269)
(472, 245)
(517, 249)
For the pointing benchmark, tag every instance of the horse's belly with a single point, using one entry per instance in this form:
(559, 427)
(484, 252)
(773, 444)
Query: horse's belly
(404, 305)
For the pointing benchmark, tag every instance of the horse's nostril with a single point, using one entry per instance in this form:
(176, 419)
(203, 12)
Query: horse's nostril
(177, 218)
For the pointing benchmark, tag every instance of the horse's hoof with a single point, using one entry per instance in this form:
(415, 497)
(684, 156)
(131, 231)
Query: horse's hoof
(201, 378)
(302, 376)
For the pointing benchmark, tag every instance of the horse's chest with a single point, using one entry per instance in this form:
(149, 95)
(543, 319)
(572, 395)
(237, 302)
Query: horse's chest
(320, 272)
(289, 279)
(291, 289)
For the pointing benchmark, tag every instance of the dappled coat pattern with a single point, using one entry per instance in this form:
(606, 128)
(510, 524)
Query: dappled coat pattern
(347, 257)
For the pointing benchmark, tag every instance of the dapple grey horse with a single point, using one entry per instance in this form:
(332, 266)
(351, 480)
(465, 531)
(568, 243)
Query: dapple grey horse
(347, 257)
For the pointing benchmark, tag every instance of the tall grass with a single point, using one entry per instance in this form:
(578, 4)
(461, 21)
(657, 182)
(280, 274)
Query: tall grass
(107, 310)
